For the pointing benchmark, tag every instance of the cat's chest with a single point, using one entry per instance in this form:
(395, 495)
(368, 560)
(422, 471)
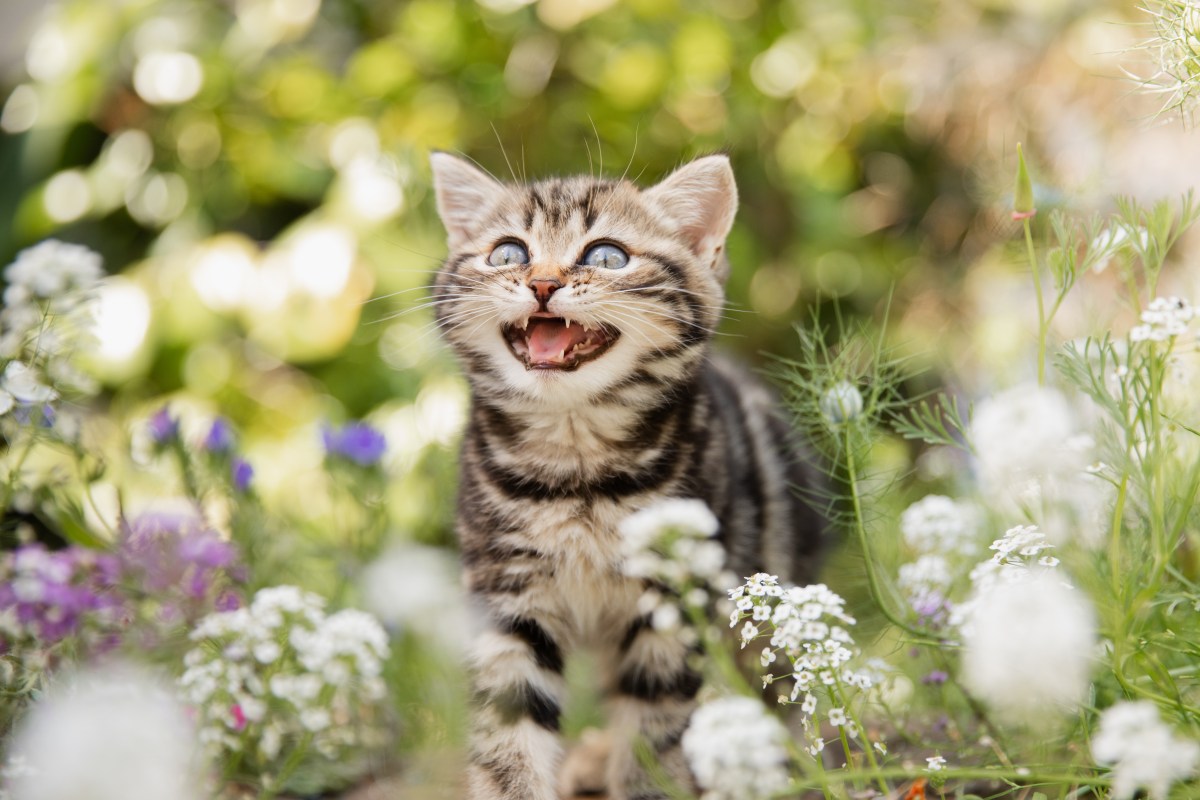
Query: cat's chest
(584, 544)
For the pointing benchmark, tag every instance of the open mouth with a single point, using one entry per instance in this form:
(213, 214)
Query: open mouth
(548, 342)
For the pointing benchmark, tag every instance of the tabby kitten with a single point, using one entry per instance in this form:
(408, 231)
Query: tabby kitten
(581, 310)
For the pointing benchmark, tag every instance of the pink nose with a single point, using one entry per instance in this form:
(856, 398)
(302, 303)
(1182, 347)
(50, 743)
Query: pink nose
(543, 288)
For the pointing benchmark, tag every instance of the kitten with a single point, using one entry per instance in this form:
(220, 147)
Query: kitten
(581, 310)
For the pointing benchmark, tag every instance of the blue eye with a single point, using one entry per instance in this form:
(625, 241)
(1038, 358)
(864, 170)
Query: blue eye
(507, 254)
(605, 256)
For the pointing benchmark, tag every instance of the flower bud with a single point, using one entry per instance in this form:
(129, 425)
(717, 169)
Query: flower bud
(841, 403)
(1023, 191)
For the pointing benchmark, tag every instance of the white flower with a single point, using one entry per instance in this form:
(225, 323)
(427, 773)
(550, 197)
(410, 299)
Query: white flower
(641, 530)
(417, 588)
(1028, 646)
(1022, 540)
(1143, 751)
(314, 719)
(53, 268)
(126, 736)
(267, 652)
(1165, 318)
(938, 524)
(1023, 438)
(737, 751)
(928, 573)
(280, 671)
(23, 384)
(841, 403)
(936, 763)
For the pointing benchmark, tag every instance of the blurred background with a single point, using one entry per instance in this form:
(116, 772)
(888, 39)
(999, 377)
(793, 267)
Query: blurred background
(255, 174)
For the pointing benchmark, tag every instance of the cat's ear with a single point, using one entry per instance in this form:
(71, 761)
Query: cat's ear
(701, 198)
(464, 192)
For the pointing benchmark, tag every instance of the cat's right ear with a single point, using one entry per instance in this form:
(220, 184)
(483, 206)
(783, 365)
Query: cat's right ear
(464, 192)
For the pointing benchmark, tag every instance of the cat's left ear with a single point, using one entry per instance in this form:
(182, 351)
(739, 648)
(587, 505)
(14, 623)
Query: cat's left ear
(701, 198)
(464, 194)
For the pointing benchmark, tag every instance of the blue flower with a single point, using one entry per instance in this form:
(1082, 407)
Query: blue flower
(241, 472)
(356, 441)
(164, 428)
(220, 436)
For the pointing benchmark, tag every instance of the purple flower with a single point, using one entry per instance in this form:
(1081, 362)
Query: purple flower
(356, 441)
(177, 560)
(164, 428)
(56, 594)
(220, 436)
(935, 678)
(241, 473)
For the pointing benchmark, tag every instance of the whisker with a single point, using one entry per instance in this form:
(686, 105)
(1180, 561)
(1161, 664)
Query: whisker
(645, 306)
(726, 305)
(405, 312)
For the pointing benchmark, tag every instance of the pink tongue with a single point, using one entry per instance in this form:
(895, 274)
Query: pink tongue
(548, 339)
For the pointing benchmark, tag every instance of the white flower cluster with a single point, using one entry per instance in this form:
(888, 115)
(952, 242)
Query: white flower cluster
(941, 531)
(1028, 645)
(925, 583)
(128, 736)
(1020, 549)
(1165, 318)
(280, 673)
(807, 625)
(52, 271)
(938, 524)
(1028, 453)
(671, 544)
(45, 321)
(1143, 751)
(736, 750)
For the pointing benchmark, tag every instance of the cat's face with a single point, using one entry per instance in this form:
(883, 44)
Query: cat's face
(562, 289)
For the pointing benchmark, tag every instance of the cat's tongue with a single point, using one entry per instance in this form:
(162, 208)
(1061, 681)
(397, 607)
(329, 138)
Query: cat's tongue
(549, 340)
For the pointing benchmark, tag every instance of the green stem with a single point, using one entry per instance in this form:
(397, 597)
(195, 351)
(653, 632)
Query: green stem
(1043, 323)
(14, 472)
(1114, 540)
(868, 746)
(861, 531)
(1015, 777)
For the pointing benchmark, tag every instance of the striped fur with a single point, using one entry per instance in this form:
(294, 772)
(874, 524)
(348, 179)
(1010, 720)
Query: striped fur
(553, 460)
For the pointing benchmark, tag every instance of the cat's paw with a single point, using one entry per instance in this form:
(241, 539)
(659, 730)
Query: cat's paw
(583, 770)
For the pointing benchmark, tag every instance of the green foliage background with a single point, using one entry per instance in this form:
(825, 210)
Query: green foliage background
(872, 144)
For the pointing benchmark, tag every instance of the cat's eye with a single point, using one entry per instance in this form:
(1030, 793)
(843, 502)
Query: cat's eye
(605, 256)
(508, 253)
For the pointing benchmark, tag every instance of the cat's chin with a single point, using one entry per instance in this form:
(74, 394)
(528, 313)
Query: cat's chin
(552, 343)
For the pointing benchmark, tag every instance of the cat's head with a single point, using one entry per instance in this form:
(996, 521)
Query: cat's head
(564, 288)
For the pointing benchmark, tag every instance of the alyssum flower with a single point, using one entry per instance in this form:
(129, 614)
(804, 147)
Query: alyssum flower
(279, 685)
(1143, 750)
(808, 627)
(736, 750)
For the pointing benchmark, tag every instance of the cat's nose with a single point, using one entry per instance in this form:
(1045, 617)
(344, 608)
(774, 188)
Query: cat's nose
(543, 288)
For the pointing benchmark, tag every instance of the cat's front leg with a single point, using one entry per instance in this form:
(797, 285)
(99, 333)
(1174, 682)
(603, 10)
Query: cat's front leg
(515, 748)
(652, 696)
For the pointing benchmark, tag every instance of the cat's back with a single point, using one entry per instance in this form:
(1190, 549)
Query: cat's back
(757, 476)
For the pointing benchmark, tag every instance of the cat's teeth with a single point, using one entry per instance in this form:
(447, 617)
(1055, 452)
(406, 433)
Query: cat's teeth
(566, 323)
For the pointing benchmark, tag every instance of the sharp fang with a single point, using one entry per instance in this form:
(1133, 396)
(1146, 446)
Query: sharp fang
(566, 323)
(525, 323)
